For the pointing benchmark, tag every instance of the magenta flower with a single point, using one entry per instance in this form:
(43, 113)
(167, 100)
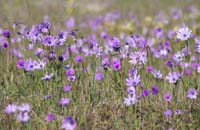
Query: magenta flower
(20, 64)
(49, 117)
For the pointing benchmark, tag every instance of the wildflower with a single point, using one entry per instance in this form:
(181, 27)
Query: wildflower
(192, 93)
(6, 33)
(183, 33)
(167, 97)
(30, 65)
(20, 64)
(49, 41)
(173, 77)
(131, 90)
(157, 74)
(168, 113)
(138, 58)
(64, 101)
(149, 68)
(178, 112)
(23, 117)
(99, 76)
(154, 90)
(78, 59)
(49, 117)
(116, 64)
(145, 93)
(68, 123)
(133, 81)
(11, 108)
(67, 88)
(130, 100)
(25, 107)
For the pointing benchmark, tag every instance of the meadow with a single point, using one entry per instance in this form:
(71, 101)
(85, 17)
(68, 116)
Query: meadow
(99, 65)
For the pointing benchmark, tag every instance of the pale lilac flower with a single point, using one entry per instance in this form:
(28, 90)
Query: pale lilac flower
(11, 108)
(178, 112)
(168, 113)
(157, 74)
(131, 90)
(68, 123)
(138, 58)
(64, 101)
(183, 33)
(133, 80)
(130, 100)
(99, 76)
(67, 88)
(30, 65)
(178, 56)
(167, 97)
(173, 77)
(23, 117)
(40, 64)
(49, 41)
(25, 107)
(192, 93)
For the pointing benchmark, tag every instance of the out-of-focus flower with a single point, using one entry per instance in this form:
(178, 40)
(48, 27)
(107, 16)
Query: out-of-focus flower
(192, 93)
(168, 113)
(11, 108)
(68, 123)
(49, 117)
(130, 100)
(64, 101)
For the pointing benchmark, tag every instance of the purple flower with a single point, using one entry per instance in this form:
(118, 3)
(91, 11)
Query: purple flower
(115, 43)
(130, 100)
(149, 68)
(49, 117)
(168, 113)
(145, 93)
(70, 23)
(138, 58)
(11, 108)
(4, 45)
(23, 117)
(99, 76)
(183, 33)
(133, 81)
(64, 101)
(187, 72)
(154, 90)
(6, 33)
(178, 112)
(68, 123)
(78, 59)
(173, 77)
(116, 64)
(25, 107)
(192, 93)
(30, 65)
(20, 64)
(49, 41)
(167, 97)
(67, 88)
(157, 74)
(131, 90)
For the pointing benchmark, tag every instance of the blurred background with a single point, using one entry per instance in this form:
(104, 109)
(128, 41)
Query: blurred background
(33, 11)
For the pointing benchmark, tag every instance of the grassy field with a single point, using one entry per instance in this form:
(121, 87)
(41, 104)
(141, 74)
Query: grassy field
(99, 65)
